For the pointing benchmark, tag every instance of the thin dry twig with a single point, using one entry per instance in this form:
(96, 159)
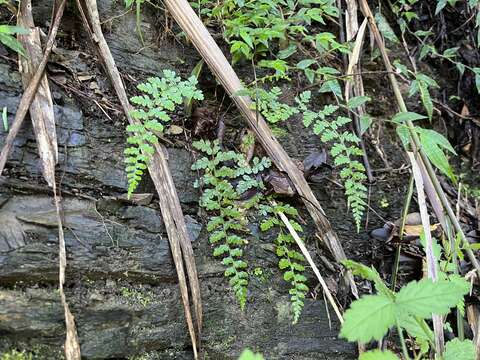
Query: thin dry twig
(431, 260)
(160, 173)
(307, 256)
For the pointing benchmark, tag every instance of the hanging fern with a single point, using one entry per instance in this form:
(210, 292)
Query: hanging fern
(160, 96)
(221, 197)
(290, 260)
(328, 126)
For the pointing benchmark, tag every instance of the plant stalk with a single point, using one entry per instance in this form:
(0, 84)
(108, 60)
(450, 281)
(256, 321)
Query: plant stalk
(402, 341)
(406, 207)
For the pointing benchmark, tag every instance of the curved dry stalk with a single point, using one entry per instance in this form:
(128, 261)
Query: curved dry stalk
(37, 98)
(431, 260)
(307, 256)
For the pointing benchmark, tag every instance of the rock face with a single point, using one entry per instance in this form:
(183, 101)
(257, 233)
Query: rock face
(121, 282)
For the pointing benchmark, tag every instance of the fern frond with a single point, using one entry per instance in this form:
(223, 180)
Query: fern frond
(160, 96)
(221, 196)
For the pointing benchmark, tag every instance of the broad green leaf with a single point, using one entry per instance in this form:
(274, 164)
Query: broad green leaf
(365, 123)
(426, 50)
(413, 328)
(403, 117)
(424, 298)
(451, 52)
(426, 98)
(12, 43)
(357, 101)
(310, 74)
(438, 138)
(331, 86)
(12, 30)
(248, 354)
(385, 28)
(440, 5)
(477, 76)
(423, 33)
(247, 38)
(285, 53)
(459, 350)
(368, 318)
(305, 63)
(436, 155)
(368, 273)
(378, 355)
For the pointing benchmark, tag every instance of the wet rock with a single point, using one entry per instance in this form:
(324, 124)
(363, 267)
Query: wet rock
(145, 218)
(122, 324)
(11, 233)
(180, 162)
(193, 227)
(96, 246)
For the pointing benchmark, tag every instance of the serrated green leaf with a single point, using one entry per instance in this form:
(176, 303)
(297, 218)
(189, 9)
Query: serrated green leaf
(459, 350)
(357, 101)
(285, 53)
(435, 154)
(424, 298)
(365, 123)
(413, 328)
(368, 318)
(304, 64)
(385, 28)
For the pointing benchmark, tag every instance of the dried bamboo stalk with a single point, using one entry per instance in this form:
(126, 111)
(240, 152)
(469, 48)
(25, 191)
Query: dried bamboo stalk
(30, 91)
(214, 57)
(352, 30)
(41, 109)
(42, 115)
(159, 171)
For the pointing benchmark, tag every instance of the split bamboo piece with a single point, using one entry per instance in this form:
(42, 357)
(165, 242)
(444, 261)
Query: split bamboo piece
(42, 115)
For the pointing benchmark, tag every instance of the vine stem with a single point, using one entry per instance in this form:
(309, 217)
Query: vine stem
(306, 253)
(402, 341)
(402, 229)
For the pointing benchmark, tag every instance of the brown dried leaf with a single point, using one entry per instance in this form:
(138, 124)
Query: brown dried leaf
(280, 183)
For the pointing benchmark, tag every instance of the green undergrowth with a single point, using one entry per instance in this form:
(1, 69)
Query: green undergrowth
(227, 178)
